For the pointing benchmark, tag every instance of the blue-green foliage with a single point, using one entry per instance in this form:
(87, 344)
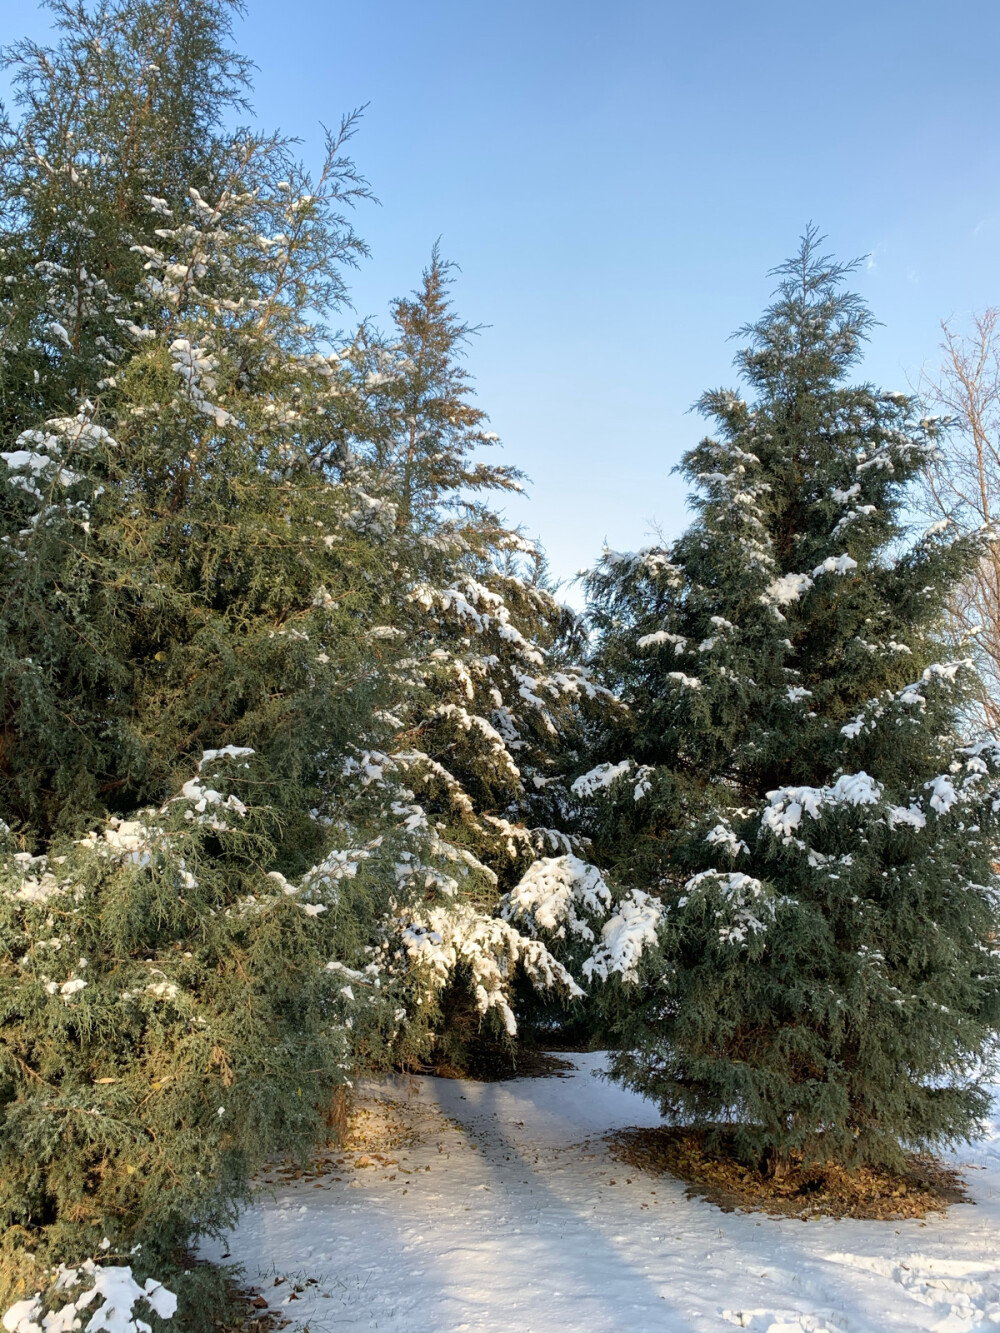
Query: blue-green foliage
(818, 828)
(261, 668)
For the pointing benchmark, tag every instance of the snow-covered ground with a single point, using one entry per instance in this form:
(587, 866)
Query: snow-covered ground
(504, 1214)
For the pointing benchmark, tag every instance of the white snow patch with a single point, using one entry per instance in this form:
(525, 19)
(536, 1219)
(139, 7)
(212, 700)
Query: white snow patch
(115, 1288)
(549, 895)
(600, 777)
(943, 793)
(723, 836)
(911, 815)
(516, 1225)
(688, 682)
(789, 588)
(625, 937)
(835, 564)
(788, 804)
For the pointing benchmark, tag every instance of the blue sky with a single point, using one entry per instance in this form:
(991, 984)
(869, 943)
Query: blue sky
(615, 182)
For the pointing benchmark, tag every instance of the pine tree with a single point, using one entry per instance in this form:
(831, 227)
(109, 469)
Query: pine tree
(178, 574)
(814, 829)
(492, 680)
(491, 697)
(185, 648)
(132, 104)
(215, 905)
(427, 432)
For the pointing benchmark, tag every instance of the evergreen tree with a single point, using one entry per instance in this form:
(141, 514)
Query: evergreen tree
(211, 911)
(493, 689)
(179, 576)
(815, 833)
(170, 1017)
(131, 104)
(491, 699)
(425, 432)
(185, 649)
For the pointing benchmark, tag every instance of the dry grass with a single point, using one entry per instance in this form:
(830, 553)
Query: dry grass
(924, 1186)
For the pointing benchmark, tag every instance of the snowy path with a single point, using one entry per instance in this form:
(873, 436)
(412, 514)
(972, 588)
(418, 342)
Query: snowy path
(517, 1228)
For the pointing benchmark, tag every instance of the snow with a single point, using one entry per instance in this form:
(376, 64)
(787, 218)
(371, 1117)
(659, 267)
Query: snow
(195, 365)
(911, 815)
(550, 892)
(944, 673)
(227, 752)
(845, 497)
(440, 939)
(789, 588)
(942, 525)
(625, 936)
(835, 564)
(472, 721)
(504, 1211)
(943, 793)
(662, 636)
(788, 804)
(736, 892)
(114, 1287)
(28, 466)
(722, 835)
(688, 682)
(600, 777)
(200, 796)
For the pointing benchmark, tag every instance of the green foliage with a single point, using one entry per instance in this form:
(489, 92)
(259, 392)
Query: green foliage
(490, 702)
(248, 613)
(492, 696)
(183, 588)
(818, 832)
(289, 714)
(422, 431)
(179, 574)
(169, 1017)
(129, 105)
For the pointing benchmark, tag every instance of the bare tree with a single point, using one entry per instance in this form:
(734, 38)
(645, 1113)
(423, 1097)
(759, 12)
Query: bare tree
(963, 483)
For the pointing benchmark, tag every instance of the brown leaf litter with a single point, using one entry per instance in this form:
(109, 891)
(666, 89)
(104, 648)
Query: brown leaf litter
(923, 1186)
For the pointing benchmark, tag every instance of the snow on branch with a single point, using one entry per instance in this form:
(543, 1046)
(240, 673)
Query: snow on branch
(518, 839)
(652, 563)
(473, 722)
(788, 804)
(835, 564)
(661, 636)
(913, 695)
(789, 588)
(114, 1288)
(625, 937)
(196, 367)
(441, 940)
(938, 673)
(723, 836)
(479, 609)
(552, 894)
(745, 907)
(599, 779)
